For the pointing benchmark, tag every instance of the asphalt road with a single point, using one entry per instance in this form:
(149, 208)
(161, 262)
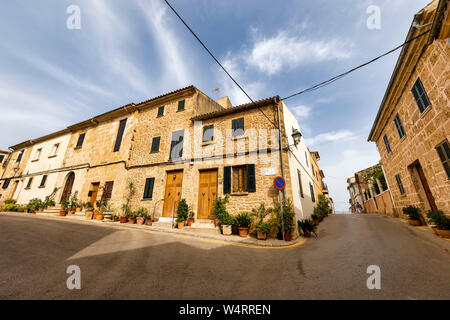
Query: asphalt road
(133, 264)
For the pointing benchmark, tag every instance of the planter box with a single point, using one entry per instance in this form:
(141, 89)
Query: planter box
(227, 230)
(140, 220)
(261, 235)
(149, 222)
(243, 232)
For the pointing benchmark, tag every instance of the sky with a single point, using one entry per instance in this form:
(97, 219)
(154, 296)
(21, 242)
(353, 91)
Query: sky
(129, 51)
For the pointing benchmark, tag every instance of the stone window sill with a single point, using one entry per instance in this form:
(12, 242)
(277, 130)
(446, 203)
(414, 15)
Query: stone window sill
(77, 147)
(207, 143)
(41, 186)
(425, 111)
(53, 156)
(146, 199)
(239, 193)
(34, 160)
(239, 138)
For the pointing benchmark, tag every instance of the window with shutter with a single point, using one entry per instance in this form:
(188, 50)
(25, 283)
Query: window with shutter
(160, 111)
(6, 184)
(311, 189)
(176, 146)
(155, 144)
(80, 140)
(181, 105)
(44, 179)
(226, 180)
(300, 183)
(19, 157)
(237, 127)
(107, 191)
(306, 158)
(29, 183)
(399, 126)
(2, 156)
(251, 178)
(399, 183)
(208, 133)
(420, 95)
(239, 179)
(443, 150)
(148, 189)
(386, 143)
(120, 132)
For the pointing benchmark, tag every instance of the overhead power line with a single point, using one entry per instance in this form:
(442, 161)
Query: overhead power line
(329, 81)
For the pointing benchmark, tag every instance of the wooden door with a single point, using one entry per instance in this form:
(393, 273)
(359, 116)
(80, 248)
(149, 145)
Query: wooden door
(207, 193)
(68, 187)
(172, 195)
(426, 187)
(94, 192)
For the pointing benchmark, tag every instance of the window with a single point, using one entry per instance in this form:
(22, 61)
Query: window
(237, 127)
(443, 150)
(311, 189)
(312, 168)
(19, 157)
(306, 158)
(420, 96)
(208, 133)
(399, 125)
(2, 156)
(160, 111)
(155, 144)
(176, 146)
(122, 125)
(38, 154)
(400, 184)
(54, 150)
(107, 191)
(6, 184)
(181, 105)
(44, 178)
(148, 189)
(386, 143)
(80, 140)
(239, 179)
(300, 183)
(29, 183)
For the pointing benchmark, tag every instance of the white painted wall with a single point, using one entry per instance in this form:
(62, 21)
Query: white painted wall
(303, 205)
(45, 162)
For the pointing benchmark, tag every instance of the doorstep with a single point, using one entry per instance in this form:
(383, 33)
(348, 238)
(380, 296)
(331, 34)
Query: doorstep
(186, 231)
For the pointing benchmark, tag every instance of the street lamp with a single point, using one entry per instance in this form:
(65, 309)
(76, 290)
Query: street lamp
(297, 136)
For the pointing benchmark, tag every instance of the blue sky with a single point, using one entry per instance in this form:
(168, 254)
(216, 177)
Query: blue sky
(133, 50)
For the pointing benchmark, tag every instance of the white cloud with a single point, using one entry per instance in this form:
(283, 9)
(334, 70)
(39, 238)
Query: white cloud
(270, 55)
(333, 136)
(302, 111)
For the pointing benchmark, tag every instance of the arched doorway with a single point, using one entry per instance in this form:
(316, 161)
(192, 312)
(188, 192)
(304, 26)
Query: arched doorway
(68, 186)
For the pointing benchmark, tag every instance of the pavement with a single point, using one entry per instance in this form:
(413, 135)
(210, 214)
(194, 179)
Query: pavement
(134, 263)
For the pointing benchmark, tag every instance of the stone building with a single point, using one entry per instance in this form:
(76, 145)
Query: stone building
(13, 168)
(412, 127)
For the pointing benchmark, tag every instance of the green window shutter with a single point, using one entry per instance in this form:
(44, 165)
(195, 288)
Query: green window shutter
(44, 178)
(311, 189)
(29, 182)
(300, 183)
(80, 140)
(120, 132)
(181, 105)
(251, 179)
(148, 189)
(19, 158)
(2, 156)
(6, 184)
(226, 180)
(161, 111)
(155, 144)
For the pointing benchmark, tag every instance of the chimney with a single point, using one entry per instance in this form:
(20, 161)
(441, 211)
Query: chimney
(225, 102)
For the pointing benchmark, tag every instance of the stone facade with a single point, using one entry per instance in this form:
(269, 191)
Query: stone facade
(426, 58)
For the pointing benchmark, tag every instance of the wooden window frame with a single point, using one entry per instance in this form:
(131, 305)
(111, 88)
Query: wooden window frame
(148, 188)
(422, 100)
(387, 144)
(181, 103)
(400, 184)
(154, 139)
(80, 140)
(235, 130)
(158, 113)
(443, 150)
(399, 126)
(107, 191)
(30, 180)
(120, 133)
(43, 181)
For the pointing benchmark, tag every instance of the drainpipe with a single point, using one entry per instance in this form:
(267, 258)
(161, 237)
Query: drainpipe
(282, 167)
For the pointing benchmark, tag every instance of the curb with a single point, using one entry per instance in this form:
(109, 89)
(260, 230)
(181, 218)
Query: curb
(256, 244)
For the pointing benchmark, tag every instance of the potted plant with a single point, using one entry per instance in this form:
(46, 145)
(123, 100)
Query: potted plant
(262, 230)
(101, 205)
(244, 220)
(123, 219)
(182, 213)
(116, 218)
(441, 221)
(89, 211)
(132, 218)
(316, 218)
(108, 213)
(226, 223)
(148, 220)
(220, 209)
(307, 226)
(414, 215)
(190, 218)
(140, 215)
(64, 207)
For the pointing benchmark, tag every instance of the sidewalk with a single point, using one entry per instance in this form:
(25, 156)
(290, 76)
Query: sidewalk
(185, 232)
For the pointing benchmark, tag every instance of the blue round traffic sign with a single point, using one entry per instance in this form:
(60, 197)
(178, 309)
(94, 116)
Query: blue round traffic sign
(279, 183)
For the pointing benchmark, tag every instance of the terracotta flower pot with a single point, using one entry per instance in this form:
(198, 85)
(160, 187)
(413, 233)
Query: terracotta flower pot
(180, 225)
(123, 219)
(115, 219)
(243, 232)
(287, 237)
(316, 222)
(78, 209)
(89, 214)
(414, 222)
(132, 221)
(216, 222)
(140, 220)
(149, 222)
(444, 233)
(434, 229)
(62, 213)
(70, 212)
(261, 235)
(99, 216)
(306, 234)
(41, 209)
(227, 230)
(189, 222)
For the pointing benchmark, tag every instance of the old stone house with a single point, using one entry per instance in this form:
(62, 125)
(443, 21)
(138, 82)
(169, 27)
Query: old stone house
(12, 170)
(412, 127)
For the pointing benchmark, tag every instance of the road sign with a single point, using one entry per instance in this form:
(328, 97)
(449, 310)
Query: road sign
(279, 183)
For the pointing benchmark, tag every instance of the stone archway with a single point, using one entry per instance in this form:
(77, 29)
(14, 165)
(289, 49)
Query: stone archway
(68, 186)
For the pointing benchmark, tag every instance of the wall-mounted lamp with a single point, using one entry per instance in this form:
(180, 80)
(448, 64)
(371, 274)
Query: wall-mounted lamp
(297, 136)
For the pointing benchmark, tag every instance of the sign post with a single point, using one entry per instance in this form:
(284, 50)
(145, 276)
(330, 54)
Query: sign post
(279, 184)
